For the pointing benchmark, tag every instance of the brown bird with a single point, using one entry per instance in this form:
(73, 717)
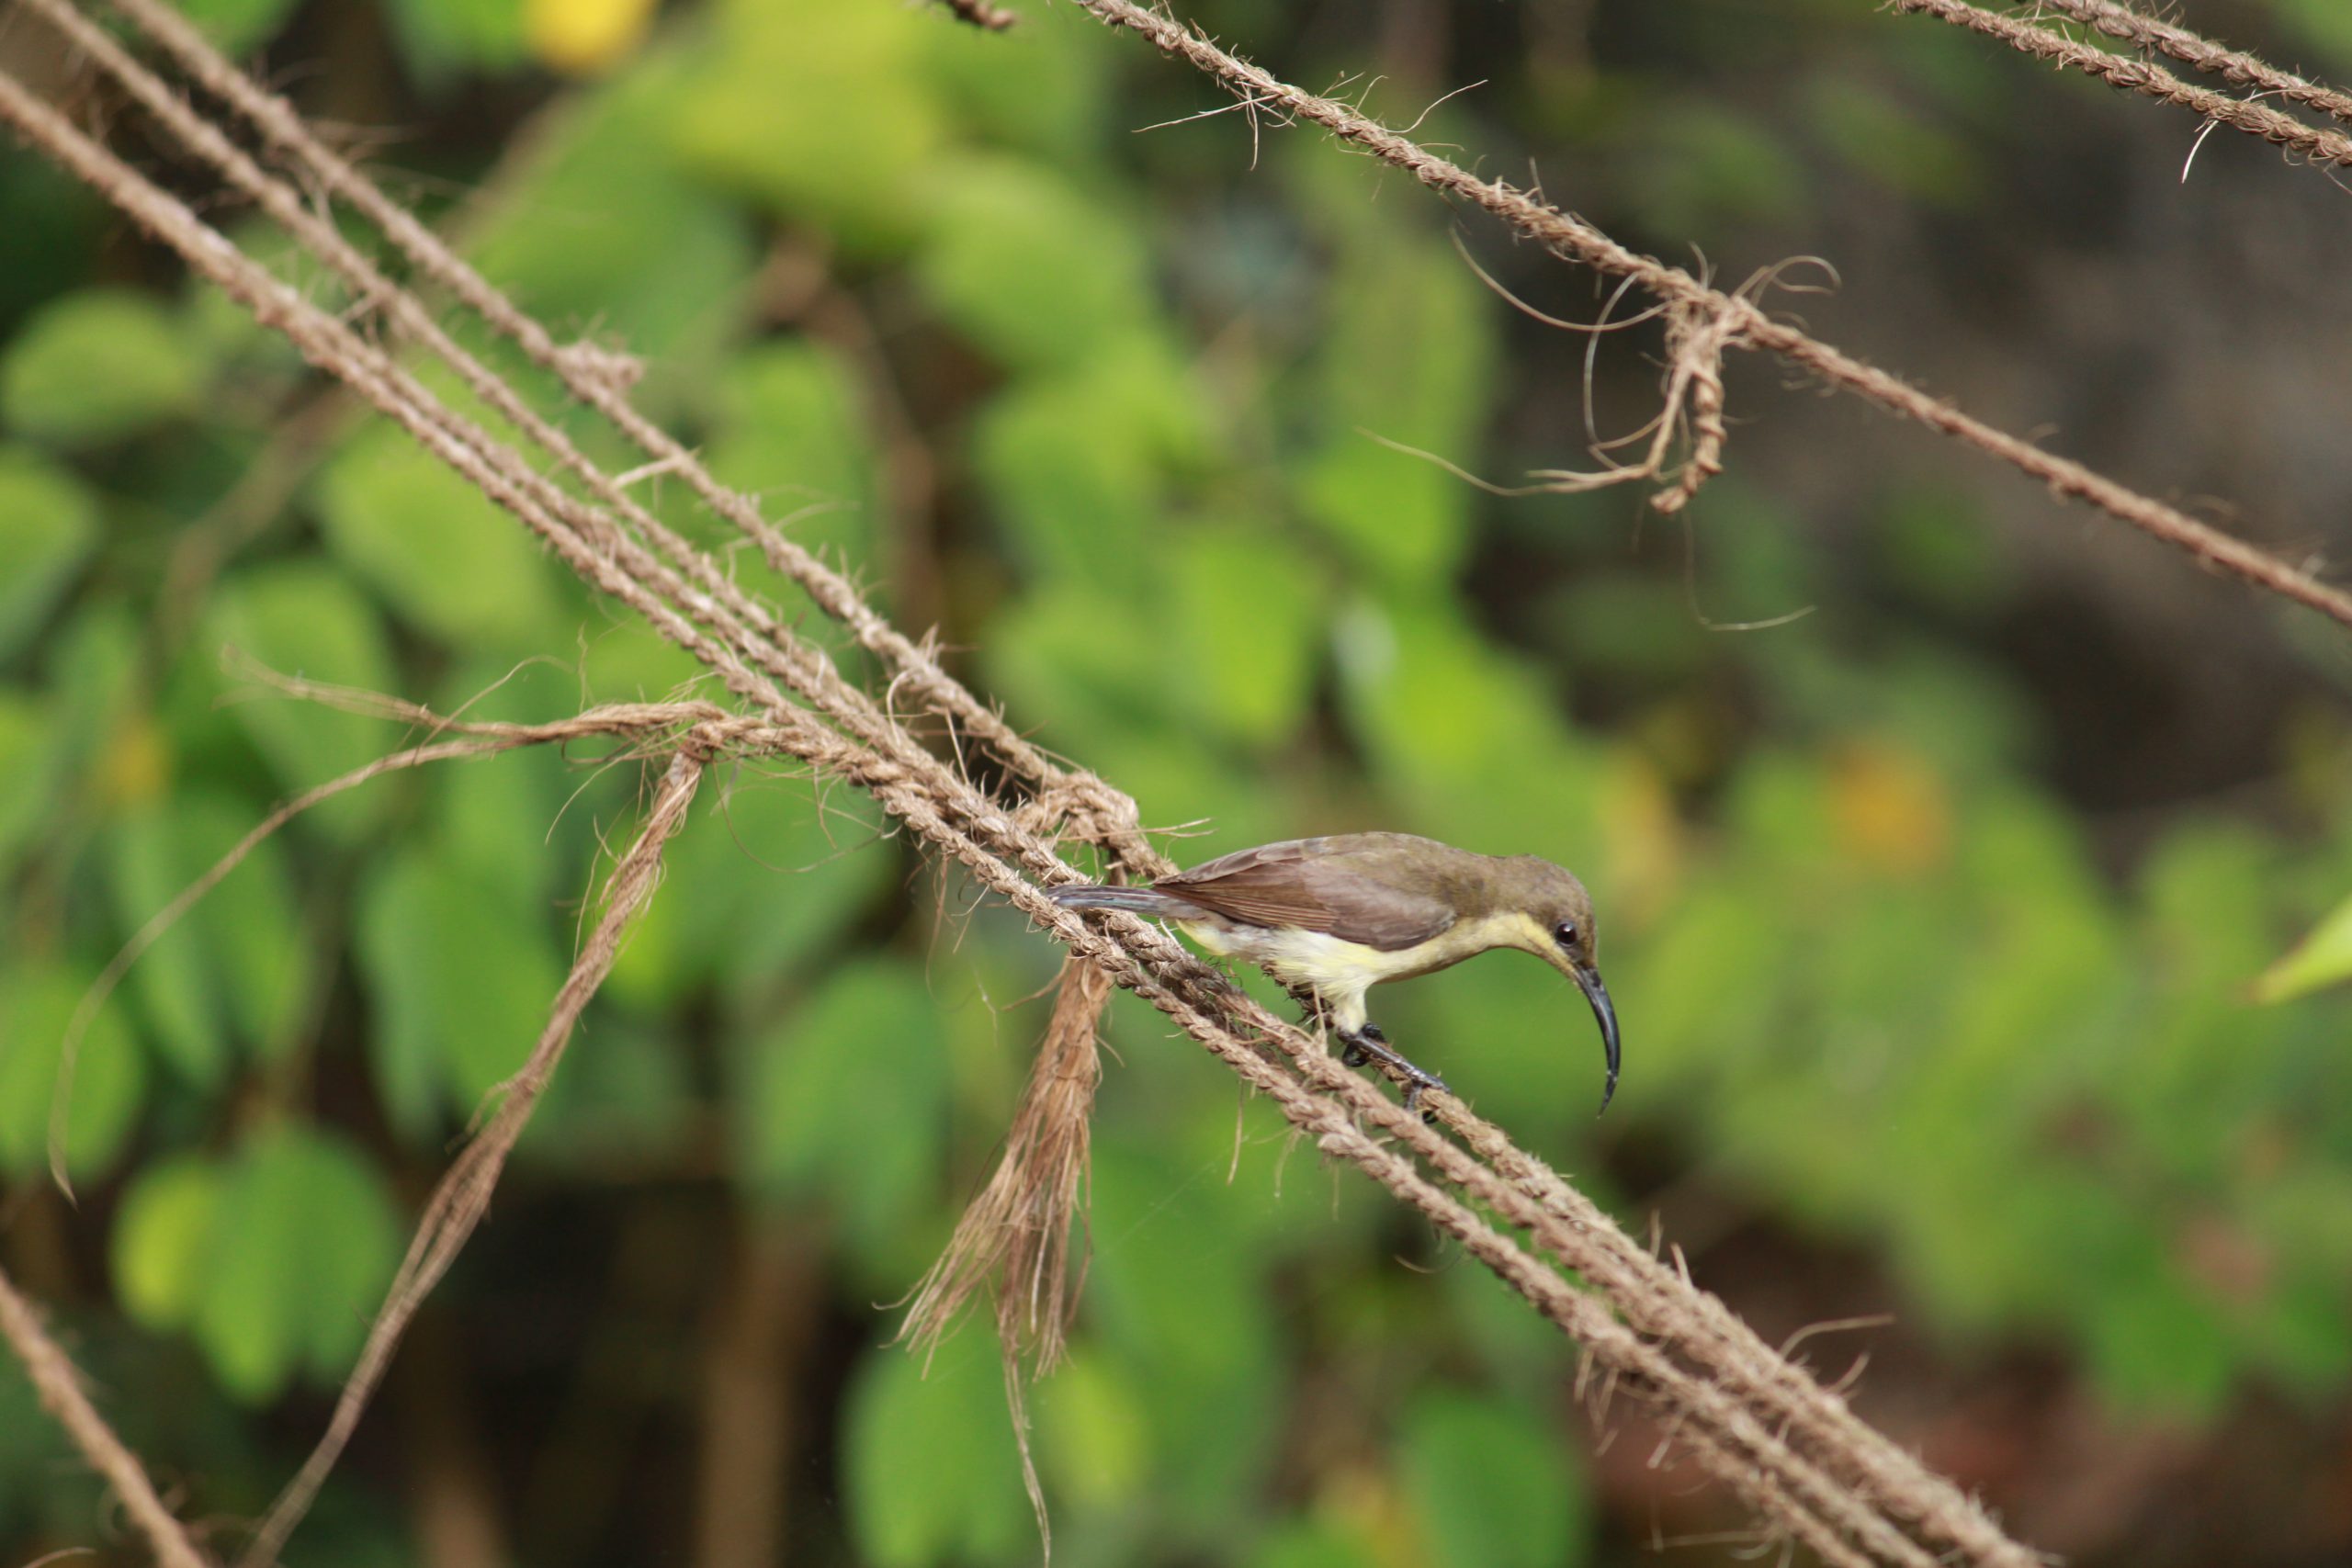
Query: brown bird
(1337, 916)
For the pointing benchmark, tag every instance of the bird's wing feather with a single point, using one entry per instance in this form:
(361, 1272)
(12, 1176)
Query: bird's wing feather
(1308, 884)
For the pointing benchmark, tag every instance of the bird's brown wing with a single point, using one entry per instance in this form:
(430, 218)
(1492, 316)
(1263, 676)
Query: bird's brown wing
(1314, 886)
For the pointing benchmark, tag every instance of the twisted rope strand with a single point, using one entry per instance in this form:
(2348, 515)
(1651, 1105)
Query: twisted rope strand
(2144, 77)
(2118, 21)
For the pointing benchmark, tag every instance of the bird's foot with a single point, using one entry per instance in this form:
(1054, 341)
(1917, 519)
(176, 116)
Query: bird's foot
(1369, 1045)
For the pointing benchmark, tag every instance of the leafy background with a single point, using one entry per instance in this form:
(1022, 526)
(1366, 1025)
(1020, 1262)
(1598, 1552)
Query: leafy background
(1946, 920)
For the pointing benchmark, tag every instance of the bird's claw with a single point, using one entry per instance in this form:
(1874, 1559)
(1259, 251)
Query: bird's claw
(1369, 1045)
(1413, 1099)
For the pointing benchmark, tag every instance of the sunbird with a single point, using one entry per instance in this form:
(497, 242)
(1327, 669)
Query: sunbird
(1337, 916)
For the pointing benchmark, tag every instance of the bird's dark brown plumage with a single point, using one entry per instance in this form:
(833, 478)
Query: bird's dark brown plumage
(1354, 889)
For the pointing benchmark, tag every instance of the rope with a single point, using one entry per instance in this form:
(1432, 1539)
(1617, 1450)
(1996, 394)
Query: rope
(2144, 77)
(1748, 1415)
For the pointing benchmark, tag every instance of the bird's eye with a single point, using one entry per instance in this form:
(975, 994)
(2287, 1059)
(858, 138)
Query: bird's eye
(1565, 933)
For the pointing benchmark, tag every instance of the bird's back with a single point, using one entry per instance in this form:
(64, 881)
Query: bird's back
(1384, 890)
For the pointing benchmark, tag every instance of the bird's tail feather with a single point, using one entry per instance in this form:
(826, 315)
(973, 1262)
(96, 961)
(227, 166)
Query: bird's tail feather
(1135, 900)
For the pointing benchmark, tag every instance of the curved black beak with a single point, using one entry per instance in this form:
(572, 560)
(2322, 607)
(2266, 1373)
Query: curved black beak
(1589, 981)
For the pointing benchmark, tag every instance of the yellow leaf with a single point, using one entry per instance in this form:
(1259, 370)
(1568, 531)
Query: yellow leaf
(1890, 810)
(1645, 838)
(135, 766)
(2320, 960)
(582, 38)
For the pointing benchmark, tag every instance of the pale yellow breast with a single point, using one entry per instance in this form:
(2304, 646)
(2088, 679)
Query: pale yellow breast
(1340, 971)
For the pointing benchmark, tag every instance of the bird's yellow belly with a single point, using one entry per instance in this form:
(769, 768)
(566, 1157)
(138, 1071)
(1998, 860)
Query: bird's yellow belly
(1340, 971)
(1337, 972)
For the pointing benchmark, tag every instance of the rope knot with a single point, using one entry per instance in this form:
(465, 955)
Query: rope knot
(1698, 330)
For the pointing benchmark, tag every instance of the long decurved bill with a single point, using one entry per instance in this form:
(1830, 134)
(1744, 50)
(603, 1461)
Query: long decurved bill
(1588, 982)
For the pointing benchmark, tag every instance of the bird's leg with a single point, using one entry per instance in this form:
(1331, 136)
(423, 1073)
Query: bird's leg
(1311, 1012)
(1369, 1045)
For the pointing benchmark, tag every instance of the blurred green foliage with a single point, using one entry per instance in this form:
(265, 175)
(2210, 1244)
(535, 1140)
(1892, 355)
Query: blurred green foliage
(1875, 976)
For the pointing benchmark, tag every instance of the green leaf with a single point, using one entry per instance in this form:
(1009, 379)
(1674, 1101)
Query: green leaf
(1075, 498)
(354, 1245)
(1067, 662)
(603, 227)
(1493, 1489)
(305, 620)
(2324, 24)
(845, 1099)
(791, 432)
(756, 888)
(446, 558)
(930, 1465)
(250, 1318)
(1320, 1543)
(36, 1003)
(1183, 1308)
(461, 978)
(499, 818)
(25, 758)
(94, 675)
(1094, 1436)
(303, 1242)
(2320, 960)
(1033, 272)
(236, 961)
(445, 36)
(819, 111)
(1466, 734)
(1076, 465)
(48, 523)
(2151, 1344)
(51, 231)
(1247, 610)
(237, 25)
(263, 947)
(1408, 359)
(1039, 89)
(98, 365)
(164, 1240)
(631, 662)
(172, 980)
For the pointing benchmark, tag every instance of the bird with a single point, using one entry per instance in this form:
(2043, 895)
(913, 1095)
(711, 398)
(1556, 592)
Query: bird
(1333, 916)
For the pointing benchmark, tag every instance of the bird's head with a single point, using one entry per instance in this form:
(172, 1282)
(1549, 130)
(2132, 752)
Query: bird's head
(1555, 923)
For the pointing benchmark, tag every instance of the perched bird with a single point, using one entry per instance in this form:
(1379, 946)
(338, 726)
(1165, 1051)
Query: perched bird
(1337, 916)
